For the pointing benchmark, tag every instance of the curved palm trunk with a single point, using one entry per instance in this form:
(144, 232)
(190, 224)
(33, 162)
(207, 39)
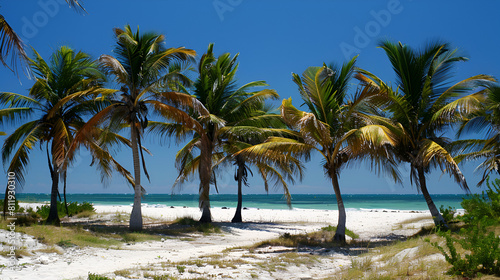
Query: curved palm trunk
(136, 215)
(205, 171)
(340, 233)
(239, 176)
(53, 215)
(438, 218)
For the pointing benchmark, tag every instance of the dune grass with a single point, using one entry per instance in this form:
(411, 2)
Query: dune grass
(195, 226)
(414, 258)
(321, 238)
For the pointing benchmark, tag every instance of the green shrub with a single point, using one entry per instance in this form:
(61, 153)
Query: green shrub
(447, 213)
(484, 251)
(481, 247)
(484, 207)
(73, 209)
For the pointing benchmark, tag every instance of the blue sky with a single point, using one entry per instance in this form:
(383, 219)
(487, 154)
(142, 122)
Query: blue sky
(274, 39)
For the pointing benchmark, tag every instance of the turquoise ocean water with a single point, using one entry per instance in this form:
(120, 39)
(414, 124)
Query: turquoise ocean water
(271, 201)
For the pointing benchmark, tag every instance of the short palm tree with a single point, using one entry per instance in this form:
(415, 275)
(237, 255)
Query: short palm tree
(418, 104)
(221, 106)
(141, 69)
(340, 129)
(482, 115)
(252, 131)
(62, 95)
(11, 43)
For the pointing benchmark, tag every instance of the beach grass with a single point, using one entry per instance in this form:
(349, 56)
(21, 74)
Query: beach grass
(195, 226)
(105, 233)
(92, 276)
(414, 258)
(322, 238)
(70, 236)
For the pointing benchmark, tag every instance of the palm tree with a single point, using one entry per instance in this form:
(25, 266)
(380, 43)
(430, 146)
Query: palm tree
(340, 129)
(221, 106)
(254, 130)
(482, 115)
(62, 94)
(141, 69)
(11, 43)
(418, 105)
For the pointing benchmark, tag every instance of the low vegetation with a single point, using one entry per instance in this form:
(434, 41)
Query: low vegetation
(74, 208)
(97, 277)
(195, 226)
(322, 238)
(474, 250)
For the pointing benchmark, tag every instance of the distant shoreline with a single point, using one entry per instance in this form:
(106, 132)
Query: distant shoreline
(263, 201)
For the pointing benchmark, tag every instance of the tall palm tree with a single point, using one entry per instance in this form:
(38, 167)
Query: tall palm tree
(11, 43)
(62, 95)
(481, 113)
(141, 69)
(338, 128)
(418, 103)
(221, 106)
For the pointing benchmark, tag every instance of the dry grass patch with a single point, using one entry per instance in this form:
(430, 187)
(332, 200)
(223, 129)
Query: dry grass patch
(85, 214)
(414, 258)
(50, 250)
(124, 273)
(322, 238)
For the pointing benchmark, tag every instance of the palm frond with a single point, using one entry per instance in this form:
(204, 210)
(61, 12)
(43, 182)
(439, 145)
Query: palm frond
(24, 137)
(431, 153)
(10, 43)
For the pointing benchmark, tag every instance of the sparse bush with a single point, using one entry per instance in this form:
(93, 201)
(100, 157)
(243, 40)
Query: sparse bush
(482, 247)
(484, 208)
(484, 251)
(447, 213)
(73, 209)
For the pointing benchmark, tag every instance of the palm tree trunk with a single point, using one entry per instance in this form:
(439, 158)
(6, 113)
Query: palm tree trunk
(135, 223)
(64, 191)
(239, 176)
(438, 218)
(53, 215)
(205, 172)
(340, 232)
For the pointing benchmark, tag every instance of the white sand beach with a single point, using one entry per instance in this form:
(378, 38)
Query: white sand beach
(259, 225)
